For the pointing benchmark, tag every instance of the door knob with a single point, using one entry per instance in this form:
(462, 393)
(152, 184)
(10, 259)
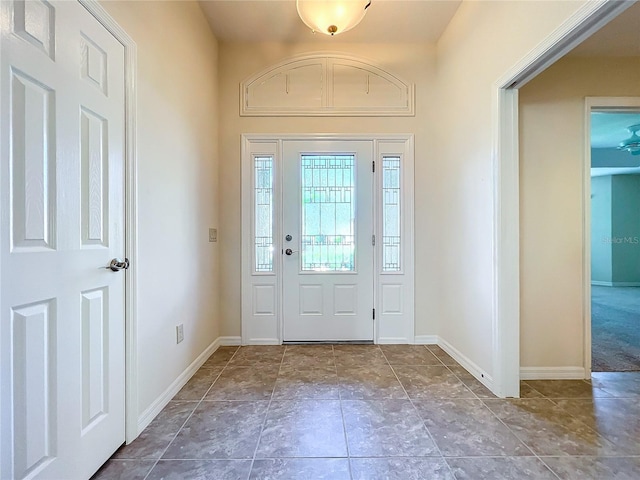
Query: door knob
(288, 251)
(116, 265)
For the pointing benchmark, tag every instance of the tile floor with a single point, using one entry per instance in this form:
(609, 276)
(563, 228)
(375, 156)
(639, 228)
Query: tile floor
(371, 412)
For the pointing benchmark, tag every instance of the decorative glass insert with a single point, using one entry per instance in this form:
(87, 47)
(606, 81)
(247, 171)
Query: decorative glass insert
(391, 214)
(263, 208)
(328, 213)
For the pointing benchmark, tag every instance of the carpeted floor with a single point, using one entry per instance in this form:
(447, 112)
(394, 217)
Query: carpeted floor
(615, 329)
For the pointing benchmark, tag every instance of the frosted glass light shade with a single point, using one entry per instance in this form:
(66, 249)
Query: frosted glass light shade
(332, 17)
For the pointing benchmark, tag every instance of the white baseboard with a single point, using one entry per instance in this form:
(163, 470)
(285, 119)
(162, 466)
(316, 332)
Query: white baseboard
(230, 341)
(552, 373)
(393, 341)
(615, 284)
(425, 340)
(156, 407)
(482, 376)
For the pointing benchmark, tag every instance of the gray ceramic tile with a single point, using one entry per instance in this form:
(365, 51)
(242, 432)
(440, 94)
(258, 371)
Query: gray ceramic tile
(409, 355)
(507, 468)
(547, 430)
(220, 430)
(566, 389)
(431, 382)
(358, 355)
(309, 355)
(244, 383)
(301, 468)
(201, 470)
(617, 419)
(303, 428)
(464, 428)
(363, 382)
(256, 355)
(198, 385)
(581, 468)
(471, 382)
(405, 468)
(385, 428)
(300, 382)
(527, 391)
(443, 356)
(477, 387)
(124, 470)
(155, 438)
(220, 357)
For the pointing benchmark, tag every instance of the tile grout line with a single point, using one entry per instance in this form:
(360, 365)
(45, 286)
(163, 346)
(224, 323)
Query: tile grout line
(266, 414)
(344, 423)
(189, 416)
(418, 413)
(514, 433)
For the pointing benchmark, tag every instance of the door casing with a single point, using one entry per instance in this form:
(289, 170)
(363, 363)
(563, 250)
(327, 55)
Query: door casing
(265, 327)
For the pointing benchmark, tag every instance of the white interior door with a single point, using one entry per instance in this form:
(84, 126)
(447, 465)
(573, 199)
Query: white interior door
(327, 230)
(62, 221)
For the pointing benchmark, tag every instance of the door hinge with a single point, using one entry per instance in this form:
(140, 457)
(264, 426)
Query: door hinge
(373, 240)
(374, 313)
(373, 166)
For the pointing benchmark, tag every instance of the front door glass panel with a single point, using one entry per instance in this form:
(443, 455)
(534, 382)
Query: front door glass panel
(328, 217)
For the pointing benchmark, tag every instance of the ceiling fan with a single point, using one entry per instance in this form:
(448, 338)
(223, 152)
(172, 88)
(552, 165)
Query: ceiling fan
(632, 144)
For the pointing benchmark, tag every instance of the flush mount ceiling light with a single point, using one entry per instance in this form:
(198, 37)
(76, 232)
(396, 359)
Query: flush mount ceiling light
(332, 17)
(632, 144)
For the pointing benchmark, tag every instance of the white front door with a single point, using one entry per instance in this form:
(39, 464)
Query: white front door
(327, 233)
(62, 221)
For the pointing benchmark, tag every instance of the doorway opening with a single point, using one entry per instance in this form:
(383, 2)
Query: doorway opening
(614, 191)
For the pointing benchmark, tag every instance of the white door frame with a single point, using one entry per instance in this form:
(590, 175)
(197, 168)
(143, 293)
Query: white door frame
(609, 104)
(131, 214)
(265, 325)
(506, 229)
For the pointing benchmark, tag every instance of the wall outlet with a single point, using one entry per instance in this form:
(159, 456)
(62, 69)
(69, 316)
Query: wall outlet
(179, 333)
(213, 234)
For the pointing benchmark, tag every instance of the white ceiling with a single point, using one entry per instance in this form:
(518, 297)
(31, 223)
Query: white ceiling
(386, 21)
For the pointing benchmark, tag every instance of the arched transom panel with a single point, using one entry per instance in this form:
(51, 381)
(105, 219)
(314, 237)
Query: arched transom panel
(326, 85)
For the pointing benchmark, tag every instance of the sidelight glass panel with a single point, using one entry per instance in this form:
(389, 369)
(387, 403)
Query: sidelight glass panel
(263, 208)
(328, 213)
(391, 214)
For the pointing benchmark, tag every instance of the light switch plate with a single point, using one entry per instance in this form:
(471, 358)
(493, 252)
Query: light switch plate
(213, 234)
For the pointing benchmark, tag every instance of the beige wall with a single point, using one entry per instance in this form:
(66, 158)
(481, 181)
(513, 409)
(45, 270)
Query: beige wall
(481, 44)
(412, 63)
(177, 187)
(551, 194)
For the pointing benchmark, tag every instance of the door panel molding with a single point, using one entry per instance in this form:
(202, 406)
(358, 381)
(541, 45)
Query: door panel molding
(394, 320)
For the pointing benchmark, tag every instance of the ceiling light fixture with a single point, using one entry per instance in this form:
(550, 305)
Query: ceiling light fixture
(332, 17)
(632, 144)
